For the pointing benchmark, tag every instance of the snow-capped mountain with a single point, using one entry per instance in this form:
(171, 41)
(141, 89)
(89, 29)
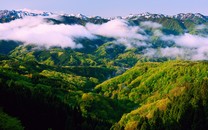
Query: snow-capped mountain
(190, 16)
(96, 17)
(7, 15)
(181, 16)
(21, 14)
(81, 16)
(144, 15)
(15, 14)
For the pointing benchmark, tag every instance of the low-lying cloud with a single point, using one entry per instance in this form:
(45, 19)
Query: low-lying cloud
(117, 29)
(200, 27)
(150, 24)
(36, 30)
(187, 46)
(188, 40)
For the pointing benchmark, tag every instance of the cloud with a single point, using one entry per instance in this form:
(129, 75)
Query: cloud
(157, 33)
(200, 27)
(187, 40)
(201, 53)
(151, 25)
(35, 30)
(191, 41)
(172, 52)
(120, 30)
(182, 53)
(131, 43)
(117, 29)
(187, 46)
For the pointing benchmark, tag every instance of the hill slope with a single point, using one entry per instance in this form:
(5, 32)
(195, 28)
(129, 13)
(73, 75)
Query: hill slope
(164, 92)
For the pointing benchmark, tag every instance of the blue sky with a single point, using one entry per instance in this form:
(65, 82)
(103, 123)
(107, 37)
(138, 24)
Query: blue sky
(108, 8)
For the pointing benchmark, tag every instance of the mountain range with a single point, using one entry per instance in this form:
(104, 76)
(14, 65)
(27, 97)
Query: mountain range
(23, 13)
(70, 71)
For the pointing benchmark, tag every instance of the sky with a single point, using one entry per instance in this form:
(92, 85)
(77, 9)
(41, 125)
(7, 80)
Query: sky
(108, 8)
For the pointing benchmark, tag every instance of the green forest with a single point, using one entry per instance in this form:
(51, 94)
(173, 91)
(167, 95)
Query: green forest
(150, 95)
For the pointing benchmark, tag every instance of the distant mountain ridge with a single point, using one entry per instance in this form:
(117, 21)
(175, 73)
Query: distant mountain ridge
(16, 14)
(21, 14)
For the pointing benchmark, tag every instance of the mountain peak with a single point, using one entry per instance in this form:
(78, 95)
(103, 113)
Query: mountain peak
(15, 14)
(191, 16)
(9, 15)
(32, 11)
(144, 15)
(82, 16)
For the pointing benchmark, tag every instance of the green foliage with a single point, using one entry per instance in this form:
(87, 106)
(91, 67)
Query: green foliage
(170, 94)
(172, 26)
(7, 46)
(33, 88)
(9, 123)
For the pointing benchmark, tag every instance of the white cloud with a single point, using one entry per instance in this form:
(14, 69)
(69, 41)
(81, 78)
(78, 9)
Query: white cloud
(117, 29)
(172, 52)
(200, 27)
(187, 40)
(157, 33)
(120, 30)
(187, 46)
(130, 43)
(191, 41)
(34, 30)
(151, 25)
(150, 52)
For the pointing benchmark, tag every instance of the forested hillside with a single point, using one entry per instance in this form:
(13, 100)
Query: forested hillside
(149, 92)
(169, 95)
